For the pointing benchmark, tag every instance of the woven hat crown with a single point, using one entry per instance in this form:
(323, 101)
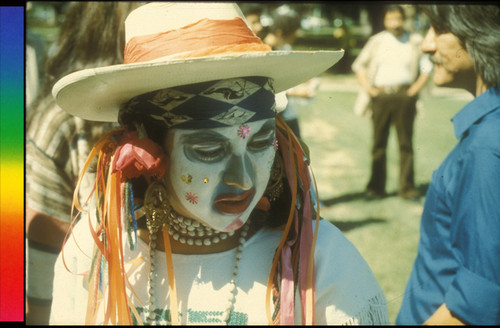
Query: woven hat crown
(157, 17)
(158, 31)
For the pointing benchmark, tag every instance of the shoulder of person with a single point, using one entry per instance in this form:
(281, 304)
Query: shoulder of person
(486, 134)
(333, 247)
(344, 278)
(334, 250)
(416, 38)
(378, 36)
(51, 121)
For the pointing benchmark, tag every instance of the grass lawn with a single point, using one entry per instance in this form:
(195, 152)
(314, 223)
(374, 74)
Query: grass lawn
(386, 231)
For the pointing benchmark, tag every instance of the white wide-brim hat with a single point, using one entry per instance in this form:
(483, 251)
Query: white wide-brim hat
(180, 43)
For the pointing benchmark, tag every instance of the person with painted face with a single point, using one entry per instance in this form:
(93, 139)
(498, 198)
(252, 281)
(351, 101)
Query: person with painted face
(201, 211)
(455, 277)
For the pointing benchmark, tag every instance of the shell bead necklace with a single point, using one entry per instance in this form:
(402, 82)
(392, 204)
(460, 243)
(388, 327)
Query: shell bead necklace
(226, 315)
(188, 231)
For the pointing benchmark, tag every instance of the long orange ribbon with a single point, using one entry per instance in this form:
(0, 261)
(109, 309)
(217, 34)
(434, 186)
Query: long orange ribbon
(307, 251)
(174, 312)
(283, 238)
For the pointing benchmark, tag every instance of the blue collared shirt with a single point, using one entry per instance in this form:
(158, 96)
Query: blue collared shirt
(458, 260)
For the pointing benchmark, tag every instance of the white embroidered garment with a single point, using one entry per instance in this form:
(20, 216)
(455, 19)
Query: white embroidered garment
(346, 290)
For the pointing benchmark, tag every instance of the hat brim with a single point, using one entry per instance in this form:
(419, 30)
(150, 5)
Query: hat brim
(97, 94)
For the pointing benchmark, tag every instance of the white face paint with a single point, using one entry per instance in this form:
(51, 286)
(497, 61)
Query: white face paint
(218, 175)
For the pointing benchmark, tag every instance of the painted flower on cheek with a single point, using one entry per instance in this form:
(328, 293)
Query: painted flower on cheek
(244, 131)
(192, 198)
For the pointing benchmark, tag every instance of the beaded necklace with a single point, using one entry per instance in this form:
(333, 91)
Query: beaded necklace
(185, 230)
(189, 231)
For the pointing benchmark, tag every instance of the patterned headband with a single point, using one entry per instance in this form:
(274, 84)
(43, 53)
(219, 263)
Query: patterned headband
(208, 104)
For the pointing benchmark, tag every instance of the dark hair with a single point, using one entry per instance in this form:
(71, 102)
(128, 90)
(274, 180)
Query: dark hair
(391, 8)
(477, 27)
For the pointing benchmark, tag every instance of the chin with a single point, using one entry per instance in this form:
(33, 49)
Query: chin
(235, 225)
(442, 82)
(460, 79)
(225, 224)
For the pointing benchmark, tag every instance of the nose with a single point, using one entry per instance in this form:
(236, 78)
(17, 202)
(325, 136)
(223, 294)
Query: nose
(394, 23)
(239, 172)
(429, 43)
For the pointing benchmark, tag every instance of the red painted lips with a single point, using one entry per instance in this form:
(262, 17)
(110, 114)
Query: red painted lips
(233, 203)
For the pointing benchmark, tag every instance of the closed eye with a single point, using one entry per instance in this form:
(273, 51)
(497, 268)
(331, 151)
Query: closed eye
(262, 140)
(205, 146)
(259, 144)
(208, 153)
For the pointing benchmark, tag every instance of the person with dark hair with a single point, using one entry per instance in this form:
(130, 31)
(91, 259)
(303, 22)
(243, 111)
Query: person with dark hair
(57, 143)
(456, 274)
(201, 209)
(391, 71)
(283, 31)
(282, 35)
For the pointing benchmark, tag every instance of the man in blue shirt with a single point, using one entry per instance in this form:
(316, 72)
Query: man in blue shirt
(456, 275)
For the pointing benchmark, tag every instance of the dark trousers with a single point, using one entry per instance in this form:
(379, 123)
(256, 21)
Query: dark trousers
(400, 110)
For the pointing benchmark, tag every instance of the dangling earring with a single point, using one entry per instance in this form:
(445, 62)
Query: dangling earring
(275, 185)
(156, 206)
(157, 211)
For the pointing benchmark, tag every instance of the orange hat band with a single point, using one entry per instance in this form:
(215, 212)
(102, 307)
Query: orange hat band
(203, 38)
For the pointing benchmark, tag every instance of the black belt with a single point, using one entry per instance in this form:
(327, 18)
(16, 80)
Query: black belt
(393, 89)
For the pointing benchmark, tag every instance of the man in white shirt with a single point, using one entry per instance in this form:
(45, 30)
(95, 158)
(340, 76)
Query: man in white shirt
(392, 70)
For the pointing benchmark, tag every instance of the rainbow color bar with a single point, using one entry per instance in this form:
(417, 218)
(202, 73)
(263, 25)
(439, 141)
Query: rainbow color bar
(11, 164)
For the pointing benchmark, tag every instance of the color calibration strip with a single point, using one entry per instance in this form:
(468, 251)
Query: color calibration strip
(11, 164)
